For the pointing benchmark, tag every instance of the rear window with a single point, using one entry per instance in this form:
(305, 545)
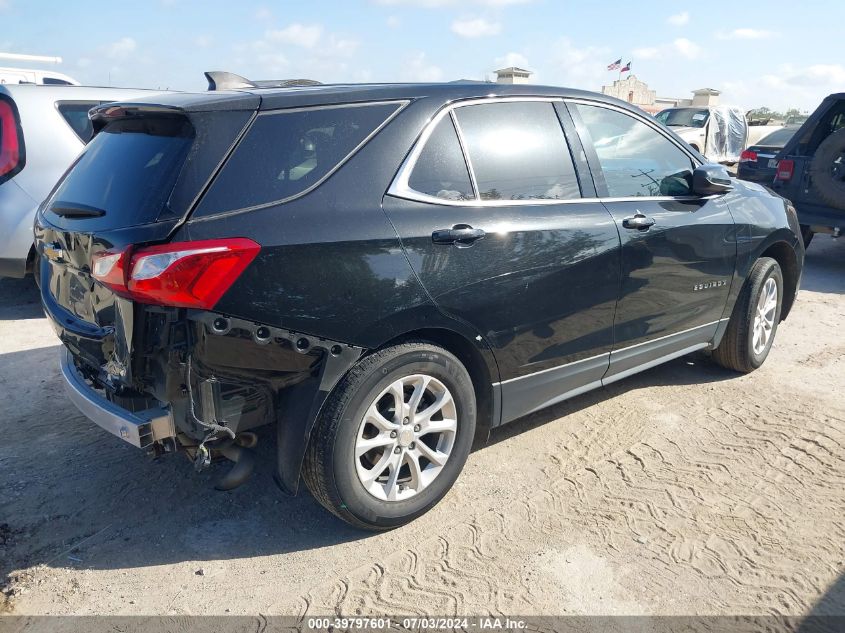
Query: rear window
(75, 114)
(778, 138)
(127, 171)
(287, 152)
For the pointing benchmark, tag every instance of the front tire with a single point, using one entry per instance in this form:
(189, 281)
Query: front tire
(393, 436)
(754, 322)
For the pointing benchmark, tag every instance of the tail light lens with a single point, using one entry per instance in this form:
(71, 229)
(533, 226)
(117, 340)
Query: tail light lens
(11, 141)
(181, 274)
(785, 170)
(748, 156)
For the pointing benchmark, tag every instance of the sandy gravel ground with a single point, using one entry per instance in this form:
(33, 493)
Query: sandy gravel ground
(684, 490)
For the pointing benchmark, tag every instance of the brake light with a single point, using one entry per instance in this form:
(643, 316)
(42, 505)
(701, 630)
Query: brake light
(748, 156)
(181, 274)
(11, 142)
(785, 170)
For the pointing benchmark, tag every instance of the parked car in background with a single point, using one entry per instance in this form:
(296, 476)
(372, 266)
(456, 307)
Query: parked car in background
(30, 76)
(811, 169)
(758, 163)
(42, 129)
(720, 133)
(381, 270)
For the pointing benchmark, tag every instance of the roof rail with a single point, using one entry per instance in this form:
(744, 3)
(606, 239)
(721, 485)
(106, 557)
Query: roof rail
(222, 80)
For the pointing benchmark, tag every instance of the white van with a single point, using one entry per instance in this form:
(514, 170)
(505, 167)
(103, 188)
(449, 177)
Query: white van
(31, 76)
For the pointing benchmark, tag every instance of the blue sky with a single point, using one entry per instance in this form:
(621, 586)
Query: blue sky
(746, 49)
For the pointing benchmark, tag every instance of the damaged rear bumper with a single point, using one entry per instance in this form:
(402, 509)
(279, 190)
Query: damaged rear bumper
(139, 428)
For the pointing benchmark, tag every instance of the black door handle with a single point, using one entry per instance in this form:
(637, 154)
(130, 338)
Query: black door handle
(638, 221)
(460, 234)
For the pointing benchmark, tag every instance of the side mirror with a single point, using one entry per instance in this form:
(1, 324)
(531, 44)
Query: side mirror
(709, 180)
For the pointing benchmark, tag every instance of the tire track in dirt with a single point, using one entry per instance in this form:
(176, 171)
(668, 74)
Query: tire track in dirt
(709, 495)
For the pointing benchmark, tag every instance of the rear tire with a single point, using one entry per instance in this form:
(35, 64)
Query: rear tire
(415, 455)
(754, 322)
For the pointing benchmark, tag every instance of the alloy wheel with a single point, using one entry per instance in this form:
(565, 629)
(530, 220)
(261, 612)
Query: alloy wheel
(764, 317)
(405, 437)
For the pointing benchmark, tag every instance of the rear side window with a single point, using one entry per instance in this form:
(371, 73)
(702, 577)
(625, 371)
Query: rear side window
(127, 171)
(441, 170)
(75, 114)
(285, 153)
(635, 158)
(517, 151)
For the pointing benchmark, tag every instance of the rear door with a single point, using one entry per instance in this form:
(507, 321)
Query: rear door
(678, 249)
(501, 239)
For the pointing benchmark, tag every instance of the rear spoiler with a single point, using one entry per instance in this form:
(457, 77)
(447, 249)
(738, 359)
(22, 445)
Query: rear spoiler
(222, 80)
(103, 114)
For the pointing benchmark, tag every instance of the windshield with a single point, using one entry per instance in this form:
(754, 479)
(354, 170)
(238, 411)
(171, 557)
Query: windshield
(778, 138)
(683, 117)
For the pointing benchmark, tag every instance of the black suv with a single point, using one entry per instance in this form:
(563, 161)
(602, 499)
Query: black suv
(811, 169)
(385, 271)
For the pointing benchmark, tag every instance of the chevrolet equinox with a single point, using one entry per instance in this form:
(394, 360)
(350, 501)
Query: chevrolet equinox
(384, 272)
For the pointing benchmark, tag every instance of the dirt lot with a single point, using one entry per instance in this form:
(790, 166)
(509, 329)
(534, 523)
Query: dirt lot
(684, 490)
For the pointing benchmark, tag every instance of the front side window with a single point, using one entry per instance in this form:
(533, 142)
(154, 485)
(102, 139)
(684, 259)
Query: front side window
(285, 153)
(517, 151)
(441, 170)
(635, 158)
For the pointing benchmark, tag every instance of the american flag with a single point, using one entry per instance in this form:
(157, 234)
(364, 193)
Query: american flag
(615, 65)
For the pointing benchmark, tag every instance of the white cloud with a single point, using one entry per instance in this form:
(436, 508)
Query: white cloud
(788, 86)
(393, 21)
(302, 35)
(5, 4)
(679, 19)
(476, 27)
(203, 41)
(569, 65)
(687, 48)
(745, 34)
(648, 52)
(512, 59)
(122, 48)
(419, 69)
(262, 14)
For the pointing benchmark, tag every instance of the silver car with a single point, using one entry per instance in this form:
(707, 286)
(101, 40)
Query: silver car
(42, 129)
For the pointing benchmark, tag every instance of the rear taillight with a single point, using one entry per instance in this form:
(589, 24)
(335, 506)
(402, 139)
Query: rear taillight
(785, 170)
(182, 274)
(748, 156)
(11, 141)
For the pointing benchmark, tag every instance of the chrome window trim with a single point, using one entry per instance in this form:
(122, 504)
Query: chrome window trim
(400, 188)
(402, 103)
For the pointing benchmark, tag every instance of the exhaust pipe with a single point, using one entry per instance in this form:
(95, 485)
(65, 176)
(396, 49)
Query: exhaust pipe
(238, 451)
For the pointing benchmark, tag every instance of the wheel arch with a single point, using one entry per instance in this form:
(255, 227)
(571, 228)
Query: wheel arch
(784, 254)
(467, 351)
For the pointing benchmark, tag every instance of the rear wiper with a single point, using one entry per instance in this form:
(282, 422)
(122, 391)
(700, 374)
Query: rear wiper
(75, 210)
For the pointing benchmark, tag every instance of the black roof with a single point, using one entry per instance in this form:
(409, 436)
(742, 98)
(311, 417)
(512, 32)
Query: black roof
(328, 94)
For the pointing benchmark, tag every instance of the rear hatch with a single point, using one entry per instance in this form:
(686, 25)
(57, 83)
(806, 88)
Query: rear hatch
(132, 185)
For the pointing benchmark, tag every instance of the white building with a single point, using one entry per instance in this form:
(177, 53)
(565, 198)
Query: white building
(513, 75)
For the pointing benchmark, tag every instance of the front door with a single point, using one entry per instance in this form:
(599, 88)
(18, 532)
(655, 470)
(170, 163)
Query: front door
(678, 249)
(508, 245)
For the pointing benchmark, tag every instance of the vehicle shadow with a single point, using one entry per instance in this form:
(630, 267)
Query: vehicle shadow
(824, 266)
(19, 299)
(828, 614)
